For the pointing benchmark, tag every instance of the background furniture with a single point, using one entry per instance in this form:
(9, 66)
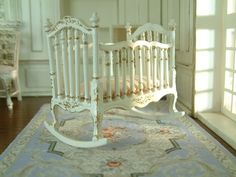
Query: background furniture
(9, 64)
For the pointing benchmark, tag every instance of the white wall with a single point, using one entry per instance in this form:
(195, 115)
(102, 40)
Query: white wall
(33, 49)
(33, 55)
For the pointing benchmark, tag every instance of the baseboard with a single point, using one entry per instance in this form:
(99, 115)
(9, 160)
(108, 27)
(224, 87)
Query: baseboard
(32, 93)
(180, 106)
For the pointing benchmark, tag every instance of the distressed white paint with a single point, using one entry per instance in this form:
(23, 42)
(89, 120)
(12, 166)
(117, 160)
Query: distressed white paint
(94, 97)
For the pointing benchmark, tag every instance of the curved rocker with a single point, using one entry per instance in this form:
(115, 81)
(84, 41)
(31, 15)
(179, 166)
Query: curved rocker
(75, 143)
(173, 112)
(153, 116)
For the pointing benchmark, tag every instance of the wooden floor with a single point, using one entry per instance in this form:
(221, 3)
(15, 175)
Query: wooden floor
(11, 123)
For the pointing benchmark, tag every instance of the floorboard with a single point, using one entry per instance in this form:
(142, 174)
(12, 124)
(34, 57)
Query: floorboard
(12, 122)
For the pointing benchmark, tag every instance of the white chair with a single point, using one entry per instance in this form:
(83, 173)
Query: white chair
(9, 64)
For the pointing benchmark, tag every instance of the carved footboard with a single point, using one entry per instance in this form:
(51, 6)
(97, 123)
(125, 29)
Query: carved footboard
(72, 49)
(136, 67)
(141, 69)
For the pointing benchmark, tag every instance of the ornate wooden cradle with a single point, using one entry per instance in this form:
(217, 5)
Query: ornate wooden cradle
(127, 74)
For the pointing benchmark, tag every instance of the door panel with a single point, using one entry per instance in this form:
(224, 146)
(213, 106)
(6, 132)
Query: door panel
(182, 11)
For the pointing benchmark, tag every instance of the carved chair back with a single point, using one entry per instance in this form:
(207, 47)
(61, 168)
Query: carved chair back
(9, 64)
(9, 48)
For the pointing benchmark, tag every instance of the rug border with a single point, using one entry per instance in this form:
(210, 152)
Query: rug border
(9, 155)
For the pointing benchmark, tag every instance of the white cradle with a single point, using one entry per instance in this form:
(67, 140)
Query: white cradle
(128, 74)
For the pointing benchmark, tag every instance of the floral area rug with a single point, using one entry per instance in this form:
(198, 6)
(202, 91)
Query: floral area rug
(137, 148)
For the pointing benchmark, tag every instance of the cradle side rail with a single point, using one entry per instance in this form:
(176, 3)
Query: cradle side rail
(156, 32)
(141, 69)
(125, 63)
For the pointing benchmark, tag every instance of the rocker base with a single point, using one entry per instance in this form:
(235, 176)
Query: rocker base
(153, 116)
(72, 142)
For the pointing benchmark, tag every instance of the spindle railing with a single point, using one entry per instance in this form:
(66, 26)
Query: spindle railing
(70, 76)
(133, 57)
(134, 72)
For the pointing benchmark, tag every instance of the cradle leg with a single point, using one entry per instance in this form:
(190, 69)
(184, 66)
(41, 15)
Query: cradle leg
(97, 125)
(172, 99)
(97, 141)
(56, 122)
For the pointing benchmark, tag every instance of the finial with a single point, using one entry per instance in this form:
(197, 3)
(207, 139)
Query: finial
(94, 20)
(172, 25)
(128, 30)
(128, 27)
(48, 25)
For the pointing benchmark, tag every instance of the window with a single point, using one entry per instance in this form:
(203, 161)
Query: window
(204, 74)
(206, 8)
(231, 6)
(229, 91)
